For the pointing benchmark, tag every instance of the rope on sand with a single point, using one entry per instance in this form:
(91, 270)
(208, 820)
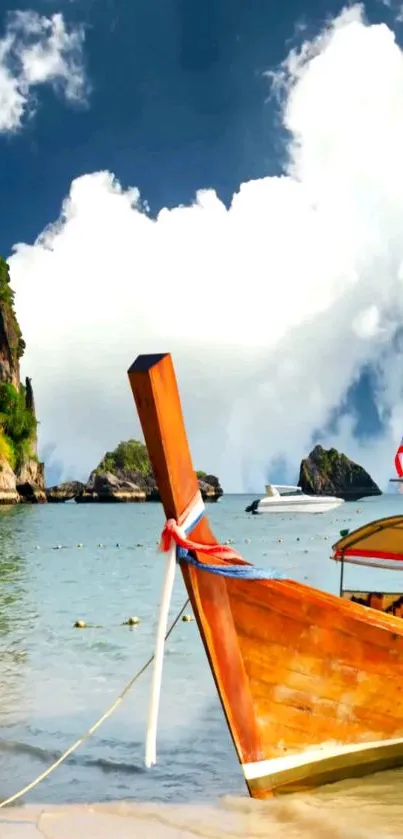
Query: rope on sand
(94, 727)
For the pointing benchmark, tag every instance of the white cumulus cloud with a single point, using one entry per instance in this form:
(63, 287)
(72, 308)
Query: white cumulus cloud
(37, 50)
(271, 307)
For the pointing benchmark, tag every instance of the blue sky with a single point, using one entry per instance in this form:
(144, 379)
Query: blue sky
(177, 100)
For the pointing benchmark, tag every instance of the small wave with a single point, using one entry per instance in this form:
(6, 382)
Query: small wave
(113, 766)
(16, 747)
(47, 756)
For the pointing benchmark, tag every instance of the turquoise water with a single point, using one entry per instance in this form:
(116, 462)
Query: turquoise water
(56, 680)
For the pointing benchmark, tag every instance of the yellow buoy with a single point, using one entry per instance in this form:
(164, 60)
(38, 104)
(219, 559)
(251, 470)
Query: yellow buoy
(187, 618)
(80, 624)
(133, 621)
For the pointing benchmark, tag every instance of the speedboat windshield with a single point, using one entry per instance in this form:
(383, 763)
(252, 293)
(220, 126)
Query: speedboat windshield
(288, 490)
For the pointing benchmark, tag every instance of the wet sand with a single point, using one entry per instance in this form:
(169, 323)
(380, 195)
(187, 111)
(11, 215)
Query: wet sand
(367, 809)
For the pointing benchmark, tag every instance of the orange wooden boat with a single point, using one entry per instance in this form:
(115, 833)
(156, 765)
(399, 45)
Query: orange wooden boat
(311, 684)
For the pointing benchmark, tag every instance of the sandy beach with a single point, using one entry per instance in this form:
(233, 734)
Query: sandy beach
(145, 821)
(349, 810)
(95, 821)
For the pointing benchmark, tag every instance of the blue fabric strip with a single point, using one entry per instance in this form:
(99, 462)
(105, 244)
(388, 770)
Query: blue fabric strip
(238, 572)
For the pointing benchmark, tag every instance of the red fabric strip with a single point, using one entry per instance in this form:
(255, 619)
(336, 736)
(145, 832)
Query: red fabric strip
(173, 531)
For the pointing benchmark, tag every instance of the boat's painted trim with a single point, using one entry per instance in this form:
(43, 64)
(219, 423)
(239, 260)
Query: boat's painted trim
(277, 764)
(324, 764)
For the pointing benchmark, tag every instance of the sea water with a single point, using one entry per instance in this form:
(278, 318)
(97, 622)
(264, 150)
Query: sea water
(99, 563)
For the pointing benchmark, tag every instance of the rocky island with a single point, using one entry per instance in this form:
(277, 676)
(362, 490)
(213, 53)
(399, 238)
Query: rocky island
(124, 475)
(329, 472)
(21, 474)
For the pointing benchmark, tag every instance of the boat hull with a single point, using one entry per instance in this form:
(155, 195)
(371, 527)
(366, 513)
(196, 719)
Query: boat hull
(321, 695)
(311, 505)
(311, 684)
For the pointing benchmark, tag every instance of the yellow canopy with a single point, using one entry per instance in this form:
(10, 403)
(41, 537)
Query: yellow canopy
(379, 543)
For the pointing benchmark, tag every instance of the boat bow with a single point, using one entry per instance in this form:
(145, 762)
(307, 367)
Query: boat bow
(310, 683)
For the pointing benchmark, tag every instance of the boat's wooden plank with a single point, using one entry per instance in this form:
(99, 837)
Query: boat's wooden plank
(328, 686)
(255, 625)
(313, 726)
(380, 712)
(374, 618)
(310, 611)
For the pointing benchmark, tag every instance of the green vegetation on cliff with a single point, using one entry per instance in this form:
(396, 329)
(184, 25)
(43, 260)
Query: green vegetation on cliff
(7, 303)
(17, 421)
(131, 456)
(18, 425)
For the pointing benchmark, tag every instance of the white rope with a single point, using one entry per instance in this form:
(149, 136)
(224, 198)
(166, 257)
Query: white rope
(151, 736)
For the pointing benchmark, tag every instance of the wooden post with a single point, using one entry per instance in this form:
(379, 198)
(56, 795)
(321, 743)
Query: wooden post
(341, 576)
(155, 391)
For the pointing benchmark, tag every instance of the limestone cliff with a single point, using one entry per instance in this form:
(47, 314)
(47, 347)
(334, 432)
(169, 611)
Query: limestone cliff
(329, 472)
(107, 486)
(67, 491)
(21, 474)
(125, 475)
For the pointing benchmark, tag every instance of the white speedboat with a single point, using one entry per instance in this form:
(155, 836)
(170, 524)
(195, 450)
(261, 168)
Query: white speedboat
(291, 499)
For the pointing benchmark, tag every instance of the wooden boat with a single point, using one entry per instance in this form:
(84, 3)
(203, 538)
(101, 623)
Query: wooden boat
(378, 544)
(311, 684)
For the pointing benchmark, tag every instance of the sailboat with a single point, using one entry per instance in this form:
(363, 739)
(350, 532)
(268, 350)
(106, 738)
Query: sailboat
(311, 683)
(398, 465)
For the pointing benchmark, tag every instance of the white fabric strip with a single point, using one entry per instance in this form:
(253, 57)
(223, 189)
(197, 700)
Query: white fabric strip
(194, 515)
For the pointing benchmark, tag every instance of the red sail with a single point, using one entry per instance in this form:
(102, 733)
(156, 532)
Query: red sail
(399, 460)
